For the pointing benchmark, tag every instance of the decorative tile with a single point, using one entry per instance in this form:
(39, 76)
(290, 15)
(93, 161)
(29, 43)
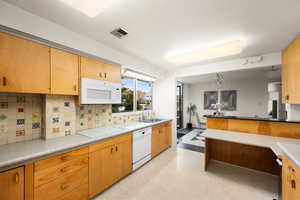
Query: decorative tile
(81, 116)
(67, 123)
(36, 125)
(68, 132)
(3, 105)
(67, 104)
(89, 111)
(21, 99)
(20, 110)
(20, 133)
(36, 116)
(55, 120)
(55, 109)
(20, 121)
(55, 130)
(3, 117)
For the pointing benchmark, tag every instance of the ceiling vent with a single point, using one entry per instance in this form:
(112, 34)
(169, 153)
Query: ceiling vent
(119, 33)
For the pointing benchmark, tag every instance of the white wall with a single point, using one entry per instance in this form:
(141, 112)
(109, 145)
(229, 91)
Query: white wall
(24, 21)
(252, 97)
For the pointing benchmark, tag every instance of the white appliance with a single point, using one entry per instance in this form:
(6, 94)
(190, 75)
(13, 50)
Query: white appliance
(141, 148)
(100, 92)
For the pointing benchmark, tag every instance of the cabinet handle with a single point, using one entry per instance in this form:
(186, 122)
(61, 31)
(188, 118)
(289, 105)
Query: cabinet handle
(4, 81)
(75, 87)
(105, 75)
(17, 178)
(287, 97)
(64, 158)
(111, 150)
(116, 148)
(65, 169)
(100, 75)
(293, 184)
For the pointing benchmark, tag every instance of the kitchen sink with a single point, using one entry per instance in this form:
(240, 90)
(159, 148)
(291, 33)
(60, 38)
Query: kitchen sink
(152, 120)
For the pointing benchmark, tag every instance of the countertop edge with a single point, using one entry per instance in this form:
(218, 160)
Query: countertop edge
(14, 163)
(289, 155)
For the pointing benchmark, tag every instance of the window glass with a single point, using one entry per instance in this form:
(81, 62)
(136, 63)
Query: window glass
(144, 95)
(128, 88)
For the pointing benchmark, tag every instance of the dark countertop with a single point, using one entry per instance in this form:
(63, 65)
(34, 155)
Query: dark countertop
(249, 118)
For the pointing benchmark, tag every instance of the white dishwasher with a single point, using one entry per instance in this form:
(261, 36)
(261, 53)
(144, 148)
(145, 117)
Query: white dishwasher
(141, 148)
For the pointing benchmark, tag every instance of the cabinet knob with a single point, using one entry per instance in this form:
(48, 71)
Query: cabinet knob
(293, 184)
(100, 75)
(111, 150)
(4, 81)
(75, 87)
(287, 97)
(64, 169)
(116, 148)
(105, 75)
(17, 178)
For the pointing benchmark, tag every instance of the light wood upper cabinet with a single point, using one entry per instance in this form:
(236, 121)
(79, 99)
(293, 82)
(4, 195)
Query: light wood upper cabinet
(290, 180)
(12, 184)
(100, 71)
(64, 72)
(291, 73)
(109, 162)
(24, 65)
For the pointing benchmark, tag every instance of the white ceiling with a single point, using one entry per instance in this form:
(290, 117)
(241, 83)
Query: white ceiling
(162, 27)
(250, 74)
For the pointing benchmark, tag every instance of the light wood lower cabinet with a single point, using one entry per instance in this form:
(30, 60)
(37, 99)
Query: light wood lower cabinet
(12, 184)
(62, 176)
(161, 138)
(109, 162)
(290, 180)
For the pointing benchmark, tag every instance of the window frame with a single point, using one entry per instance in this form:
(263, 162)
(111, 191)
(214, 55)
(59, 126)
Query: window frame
(135, 97)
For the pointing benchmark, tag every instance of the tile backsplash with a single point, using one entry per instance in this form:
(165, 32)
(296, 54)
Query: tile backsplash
(22, 117)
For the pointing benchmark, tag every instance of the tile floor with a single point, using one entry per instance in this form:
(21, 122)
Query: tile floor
(178, 174)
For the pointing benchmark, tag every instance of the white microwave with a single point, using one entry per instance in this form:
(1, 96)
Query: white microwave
(100, 92)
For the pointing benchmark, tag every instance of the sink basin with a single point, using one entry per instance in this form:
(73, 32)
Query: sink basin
(152, 120)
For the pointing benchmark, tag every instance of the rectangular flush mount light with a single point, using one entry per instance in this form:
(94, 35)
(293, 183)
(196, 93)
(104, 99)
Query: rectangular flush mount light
(227, 49)
(90, 8)
(138, 75)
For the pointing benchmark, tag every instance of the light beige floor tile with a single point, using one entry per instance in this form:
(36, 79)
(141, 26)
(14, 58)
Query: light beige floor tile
(178, 174)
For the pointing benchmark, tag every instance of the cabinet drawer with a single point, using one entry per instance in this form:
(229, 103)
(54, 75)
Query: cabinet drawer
(61, 186)
(59, 159)
(44, 176)
(110, 142)
(80, 193)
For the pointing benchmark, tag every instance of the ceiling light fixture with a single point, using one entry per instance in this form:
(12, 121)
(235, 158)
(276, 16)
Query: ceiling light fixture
(90, 8)
(138, 75)
(223, 50)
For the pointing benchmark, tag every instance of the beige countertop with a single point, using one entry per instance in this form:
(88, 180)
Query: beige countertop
(253, 139)
(292, 151)
(18, 154)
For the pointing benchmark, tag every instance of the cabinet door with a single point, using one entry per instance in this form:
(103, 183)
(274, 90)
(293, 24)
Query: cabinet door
(290, 180)
(92, 69)
(123, 159)
(101, 170)
(112, 73)
(284, 76)
(64, 72)
(25, 65)
(12, 184)
(155, 142)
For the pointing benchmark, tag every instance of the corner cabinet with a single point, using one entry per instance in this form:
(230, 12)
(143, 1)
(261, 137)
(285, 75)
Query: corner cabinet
(12, 184)
(290, 180)
(64, 72)
(109, 162)
(99, 71)
(24, 65)
(291, 73)
(161, 138)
